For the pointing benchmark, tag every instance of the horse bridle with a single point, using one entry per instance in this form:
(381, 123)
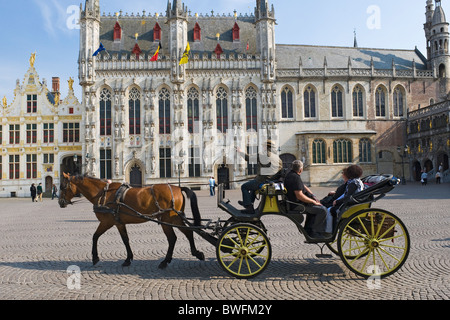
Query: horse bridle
(64, 189)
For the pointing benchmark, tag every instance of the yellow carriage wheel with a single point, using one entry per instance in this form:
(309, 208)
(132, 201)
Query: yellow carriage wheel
(351, 243)
(243, 250)
(373, 242)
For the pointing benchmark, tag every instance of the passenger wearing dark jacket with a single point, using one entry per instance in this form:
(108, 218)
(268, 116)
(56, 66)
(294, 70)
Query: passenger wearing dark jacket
(353, 184)
(33, 192)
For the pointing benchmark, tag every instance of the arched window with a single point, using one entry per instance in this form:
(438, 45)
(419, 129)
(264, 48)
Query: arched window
(365, 151)
(287, 103)
(319, 151)
(193, 110)
(380, 102)
(251, 109)
(164, 111)
(337, 103)
(134, 112)
(342, 151)
(157, 32)
(310, 102)
(197, 33)
(398, 102)
(358, 102)
(105, 112)
(222, 109)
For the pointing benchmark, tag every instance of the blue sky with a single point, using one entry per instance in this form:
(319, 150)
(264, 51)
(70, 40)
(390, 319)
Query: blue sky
(47, 27)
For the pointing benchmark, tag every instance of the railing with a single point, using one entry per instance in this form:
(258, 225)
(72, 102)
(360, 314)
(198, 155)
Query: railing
(440, 107)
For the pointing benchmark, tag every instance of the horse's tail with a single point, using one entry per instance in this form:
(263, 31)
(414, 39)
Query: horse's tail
(194, 205)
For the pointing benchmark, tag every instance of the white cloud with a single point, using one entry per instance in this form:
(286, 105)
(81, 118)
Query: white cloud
(54, 17)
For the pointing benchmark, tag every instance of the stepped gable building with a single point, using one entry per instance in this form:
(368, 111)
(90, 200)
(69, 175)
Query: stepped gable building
(40, 135)
(159, 121)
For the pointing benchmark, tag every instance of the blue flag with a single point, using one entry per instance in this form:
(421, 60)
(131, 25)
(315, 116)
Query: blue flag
(100, 49)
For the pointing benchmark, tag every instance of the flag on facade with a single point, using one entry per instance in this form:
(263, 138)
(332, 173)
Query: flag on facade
(248, 46)
(100, 49)
(155, 56)
(185, 57)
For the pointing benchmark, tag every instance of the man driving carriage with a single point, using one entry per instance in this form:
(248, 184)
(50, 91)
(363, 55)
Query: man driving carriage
(299, 193)
(268, 166)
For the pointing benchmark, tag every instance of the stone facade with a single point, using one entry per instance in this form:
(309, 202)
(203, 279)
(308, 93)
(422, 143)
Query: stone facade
(40, 133)
(158, 121)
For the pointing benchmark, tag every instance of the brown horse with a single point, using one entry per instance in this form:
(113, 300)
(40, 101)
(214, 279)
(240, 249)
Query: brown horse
(162, 202)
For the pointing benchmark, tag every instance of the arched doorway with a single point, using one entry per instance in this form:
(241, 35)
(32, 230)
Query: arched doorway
(223, 176)
(428, 165)
(442, 158)
(48, 185)
(70, 166)
(287, 159)
(136, 176)
(417, 170)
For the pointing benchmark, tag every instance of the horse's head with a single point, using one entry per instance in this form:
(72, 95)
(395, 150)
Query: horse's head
(67, 191)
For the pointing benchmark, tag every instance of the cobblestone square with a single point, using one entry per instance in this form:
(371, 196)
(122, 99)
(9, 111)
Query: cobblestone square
(40, 242)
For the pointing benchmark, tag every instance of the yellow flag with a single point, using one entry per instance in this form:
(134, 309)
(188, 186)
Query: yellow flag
(185, 57)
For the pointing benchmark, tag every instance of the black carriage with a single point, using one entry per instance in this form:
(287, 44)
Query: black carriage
(370, 241)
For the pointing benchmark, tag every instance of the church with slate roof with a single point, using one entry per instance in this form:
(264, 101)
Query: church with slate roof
(150, 119)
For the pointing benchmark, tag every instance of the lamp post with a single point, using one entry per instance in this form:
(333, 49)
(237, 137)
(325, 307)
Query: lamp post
(403, 151)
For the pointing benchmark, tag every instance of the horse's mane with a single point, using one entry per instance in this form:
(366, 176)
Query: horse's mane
(85, 175)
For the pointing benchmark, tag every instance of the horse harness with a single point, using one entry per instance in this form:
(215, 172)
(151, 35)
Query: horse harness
(104, 207)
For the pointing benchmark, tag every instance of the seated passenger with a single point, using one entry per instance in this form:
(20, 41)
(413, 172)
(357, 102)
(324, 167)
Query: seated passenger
(298, 192)
(268, 165)
(353, 184)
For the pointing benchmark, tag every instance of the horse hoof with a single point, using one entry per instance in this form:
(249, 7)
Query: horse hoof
(200, 256)
(95, 261)
(163, 264)
(126, 264)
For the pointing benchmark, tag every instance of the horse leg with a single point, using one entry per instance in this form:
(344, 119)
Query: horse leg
(172, 238)
(101, 229)
(126, 241)
(190, 236)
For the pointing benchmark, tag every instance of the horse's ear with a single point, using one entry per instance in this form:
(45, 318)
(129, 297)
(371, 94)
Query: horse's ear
(67, 176)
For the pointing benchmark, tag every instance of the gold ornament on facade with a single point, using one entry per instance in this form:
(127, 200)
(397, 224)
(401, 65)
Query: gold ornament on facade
(32, 59)
(70, 81)
(5, 102)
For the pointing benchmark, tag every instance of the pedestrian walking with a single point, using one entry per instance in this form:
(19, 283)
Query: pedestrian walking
(424, 178)
(212, 186)
(438, 177)
(33, 192)
(39, 192)
(54, 192)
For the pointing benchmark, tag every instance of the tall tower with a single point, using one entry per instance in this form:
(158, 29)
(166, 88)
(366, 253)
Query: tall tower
(89, 41)
(177, 19)
(427, 26)
(265, 39)
(439, 38)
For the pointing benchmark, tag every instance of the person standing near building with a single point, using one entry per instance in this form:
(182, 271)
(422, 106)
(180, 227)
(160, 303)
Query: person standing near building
(212, 186)
(54, 192)
(438, 177)
(33, 192)
(39, 192)
(424, 177)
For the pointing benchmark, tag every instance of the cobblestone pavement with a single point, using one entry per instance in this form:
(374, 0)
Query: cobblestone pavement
(40, 241)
